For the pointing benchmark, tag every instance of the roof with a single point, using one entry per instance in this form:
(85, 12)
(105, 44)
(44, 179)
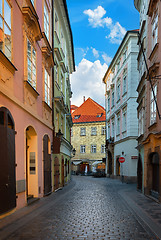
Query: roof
(89, 111)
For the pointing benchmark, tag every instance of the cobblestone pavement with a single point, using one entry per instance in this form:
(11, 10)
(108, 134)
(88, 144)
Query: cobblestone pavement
(91, 209)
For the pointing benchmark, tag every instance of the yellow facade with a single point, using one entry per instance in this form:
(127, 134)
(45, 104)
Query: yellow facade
(88, 140)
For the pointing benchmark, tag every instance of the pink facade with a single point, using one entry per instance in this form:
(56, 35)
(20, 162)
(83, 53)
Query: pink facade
(26, 94)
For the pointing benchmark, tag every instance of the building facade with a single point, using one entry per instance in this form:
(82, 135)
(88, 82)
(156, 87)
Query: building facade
(121, 80)
(151, 137)
(26, 63)
(88, 135)
(64, 65)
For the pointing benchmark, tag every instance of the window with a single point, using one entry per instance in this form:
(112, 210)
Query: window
(154, 30)
(82, 148)
(93, 131)
(31, 64)
(118, 91)
(113, 128)
(5, 28)
(103, 148)
(113, 98)
(56, 72)
(153, 106)
(103, 130)
(93, 148)
(47, 88)
(46, 21)
(62, 41)
(71, 132)
(125, 55)
(57, 122)
(124, 84)
(141, 121)
(108, 129)
(124, 120)
(108, 104)
(62, 120)
(83, 132)
(61, 82)
(76, 116)
(56, 24)
(118, 124)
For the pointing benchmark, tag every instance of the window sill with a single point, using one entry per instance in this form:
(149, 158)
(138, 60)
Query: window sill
(31, 89)
(124, 94)
(152, 125)
(118, 101)
(153, 51)
(7, 63)
(93, 134)
(47, 106)
(124, 131)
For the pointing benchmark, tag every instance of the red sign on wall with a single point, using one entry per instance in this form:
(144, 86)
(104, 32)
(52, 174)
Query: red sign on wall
(121, 159)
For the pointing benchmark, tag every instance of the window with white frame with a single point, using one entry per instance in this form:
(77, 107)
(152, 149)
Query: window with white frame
(93, 148)
(31, 64)
(153, 105)
(47, 88)
(56, 24)
(61, 77)
(118, 124)
(103, 148)
(113, 98)
(103, 130)
(118, 90)
(5, 28)
(124, 55)
(141, 122)
(83, 131)
(124, 84)
(154, 29)
(124, 120)
(82, 148)
(108, 103)
(93, 131)
(108, 129)
(46, 20)
(56, 72)
(71, 132)
(113, 128)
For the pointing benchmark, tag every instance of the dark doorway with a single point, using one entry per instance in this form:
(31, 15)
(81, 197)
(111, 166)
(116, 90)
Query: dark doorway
(155, 172)
(139, 174)
(117, 166)
(109, 162)
(62, 172)
(56, 173)
(7, 161)
(47, 165)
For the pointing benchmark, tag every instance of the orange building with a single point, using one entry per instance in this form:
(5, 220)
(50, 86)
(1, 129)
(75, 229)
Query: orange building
(26, 62)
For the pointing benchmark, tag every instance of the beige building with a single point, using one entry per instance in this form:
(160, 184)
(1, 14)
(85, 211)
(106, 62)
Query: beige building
(88, 136)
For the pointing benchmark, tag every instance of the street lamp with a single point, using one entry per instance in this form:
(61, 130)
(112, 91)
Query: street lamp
(59, 134)
(74, 151)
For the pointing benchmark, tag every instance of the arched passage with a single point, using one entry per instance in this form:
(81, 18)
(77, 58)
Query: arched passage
(56, 173)
(62, 171)
(31, 163)
(139, 174)
(7, 161)
(117, 166)
(154, 161)
(47, 165)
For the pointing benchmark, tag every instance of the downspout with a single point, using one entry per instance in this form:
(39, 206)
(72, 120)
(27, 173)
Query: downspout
(53, 69)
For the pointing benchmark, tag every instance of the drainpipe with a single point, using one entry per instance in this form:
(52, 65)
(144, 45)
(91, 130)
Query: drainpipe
(53, 68)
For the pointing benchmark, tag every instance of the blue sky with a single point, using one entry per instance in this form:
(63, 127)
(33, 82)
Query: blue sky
(98, 27)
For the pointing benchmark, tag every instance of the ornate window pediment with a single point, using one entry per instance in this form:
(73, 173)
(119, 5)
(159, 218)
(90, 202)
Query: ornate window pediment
(47, 52)
(31, 19)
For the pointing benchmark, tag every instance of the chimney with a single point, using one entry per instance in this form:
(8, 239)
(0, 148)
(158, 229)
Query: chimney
(84, 98)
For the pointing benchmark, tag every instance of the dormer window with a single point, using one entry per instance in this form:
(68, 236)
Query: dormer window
(76, 116)
(99, 115)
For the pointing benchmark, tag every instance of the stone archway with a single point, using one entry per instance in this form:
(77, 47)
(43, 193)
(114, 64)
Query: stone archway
(31, 164)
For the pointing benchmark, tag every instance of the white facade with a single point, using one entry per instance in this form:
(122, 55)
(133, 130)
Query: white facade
(121, 81)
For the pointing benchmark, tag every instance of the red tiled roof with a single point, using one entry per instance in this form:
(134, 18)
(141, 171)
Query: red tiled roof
(89, 111)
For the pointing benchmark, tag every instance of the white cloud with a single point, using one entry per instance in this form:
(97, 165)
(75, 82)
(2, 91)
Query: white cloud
(117, 33)
(95, 52)
(106, 58)
(87, 81)
(96, 19)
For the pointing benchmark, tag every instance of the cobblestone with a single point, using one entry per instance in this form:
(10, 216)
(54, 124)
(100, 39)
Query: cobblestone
(92, 209)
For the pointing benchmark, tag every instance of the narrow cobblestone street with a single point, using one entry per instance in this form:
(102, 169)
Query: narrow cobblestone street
(88, 208)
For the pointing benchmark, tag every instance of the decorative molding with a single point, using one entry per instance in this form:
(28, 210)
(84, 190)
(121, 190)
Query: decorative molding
(32, 20)
(47, 52)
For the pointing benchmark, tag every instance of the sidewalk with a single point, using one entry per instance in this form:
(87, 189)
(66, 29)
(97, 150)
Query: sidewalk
(146, 210)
